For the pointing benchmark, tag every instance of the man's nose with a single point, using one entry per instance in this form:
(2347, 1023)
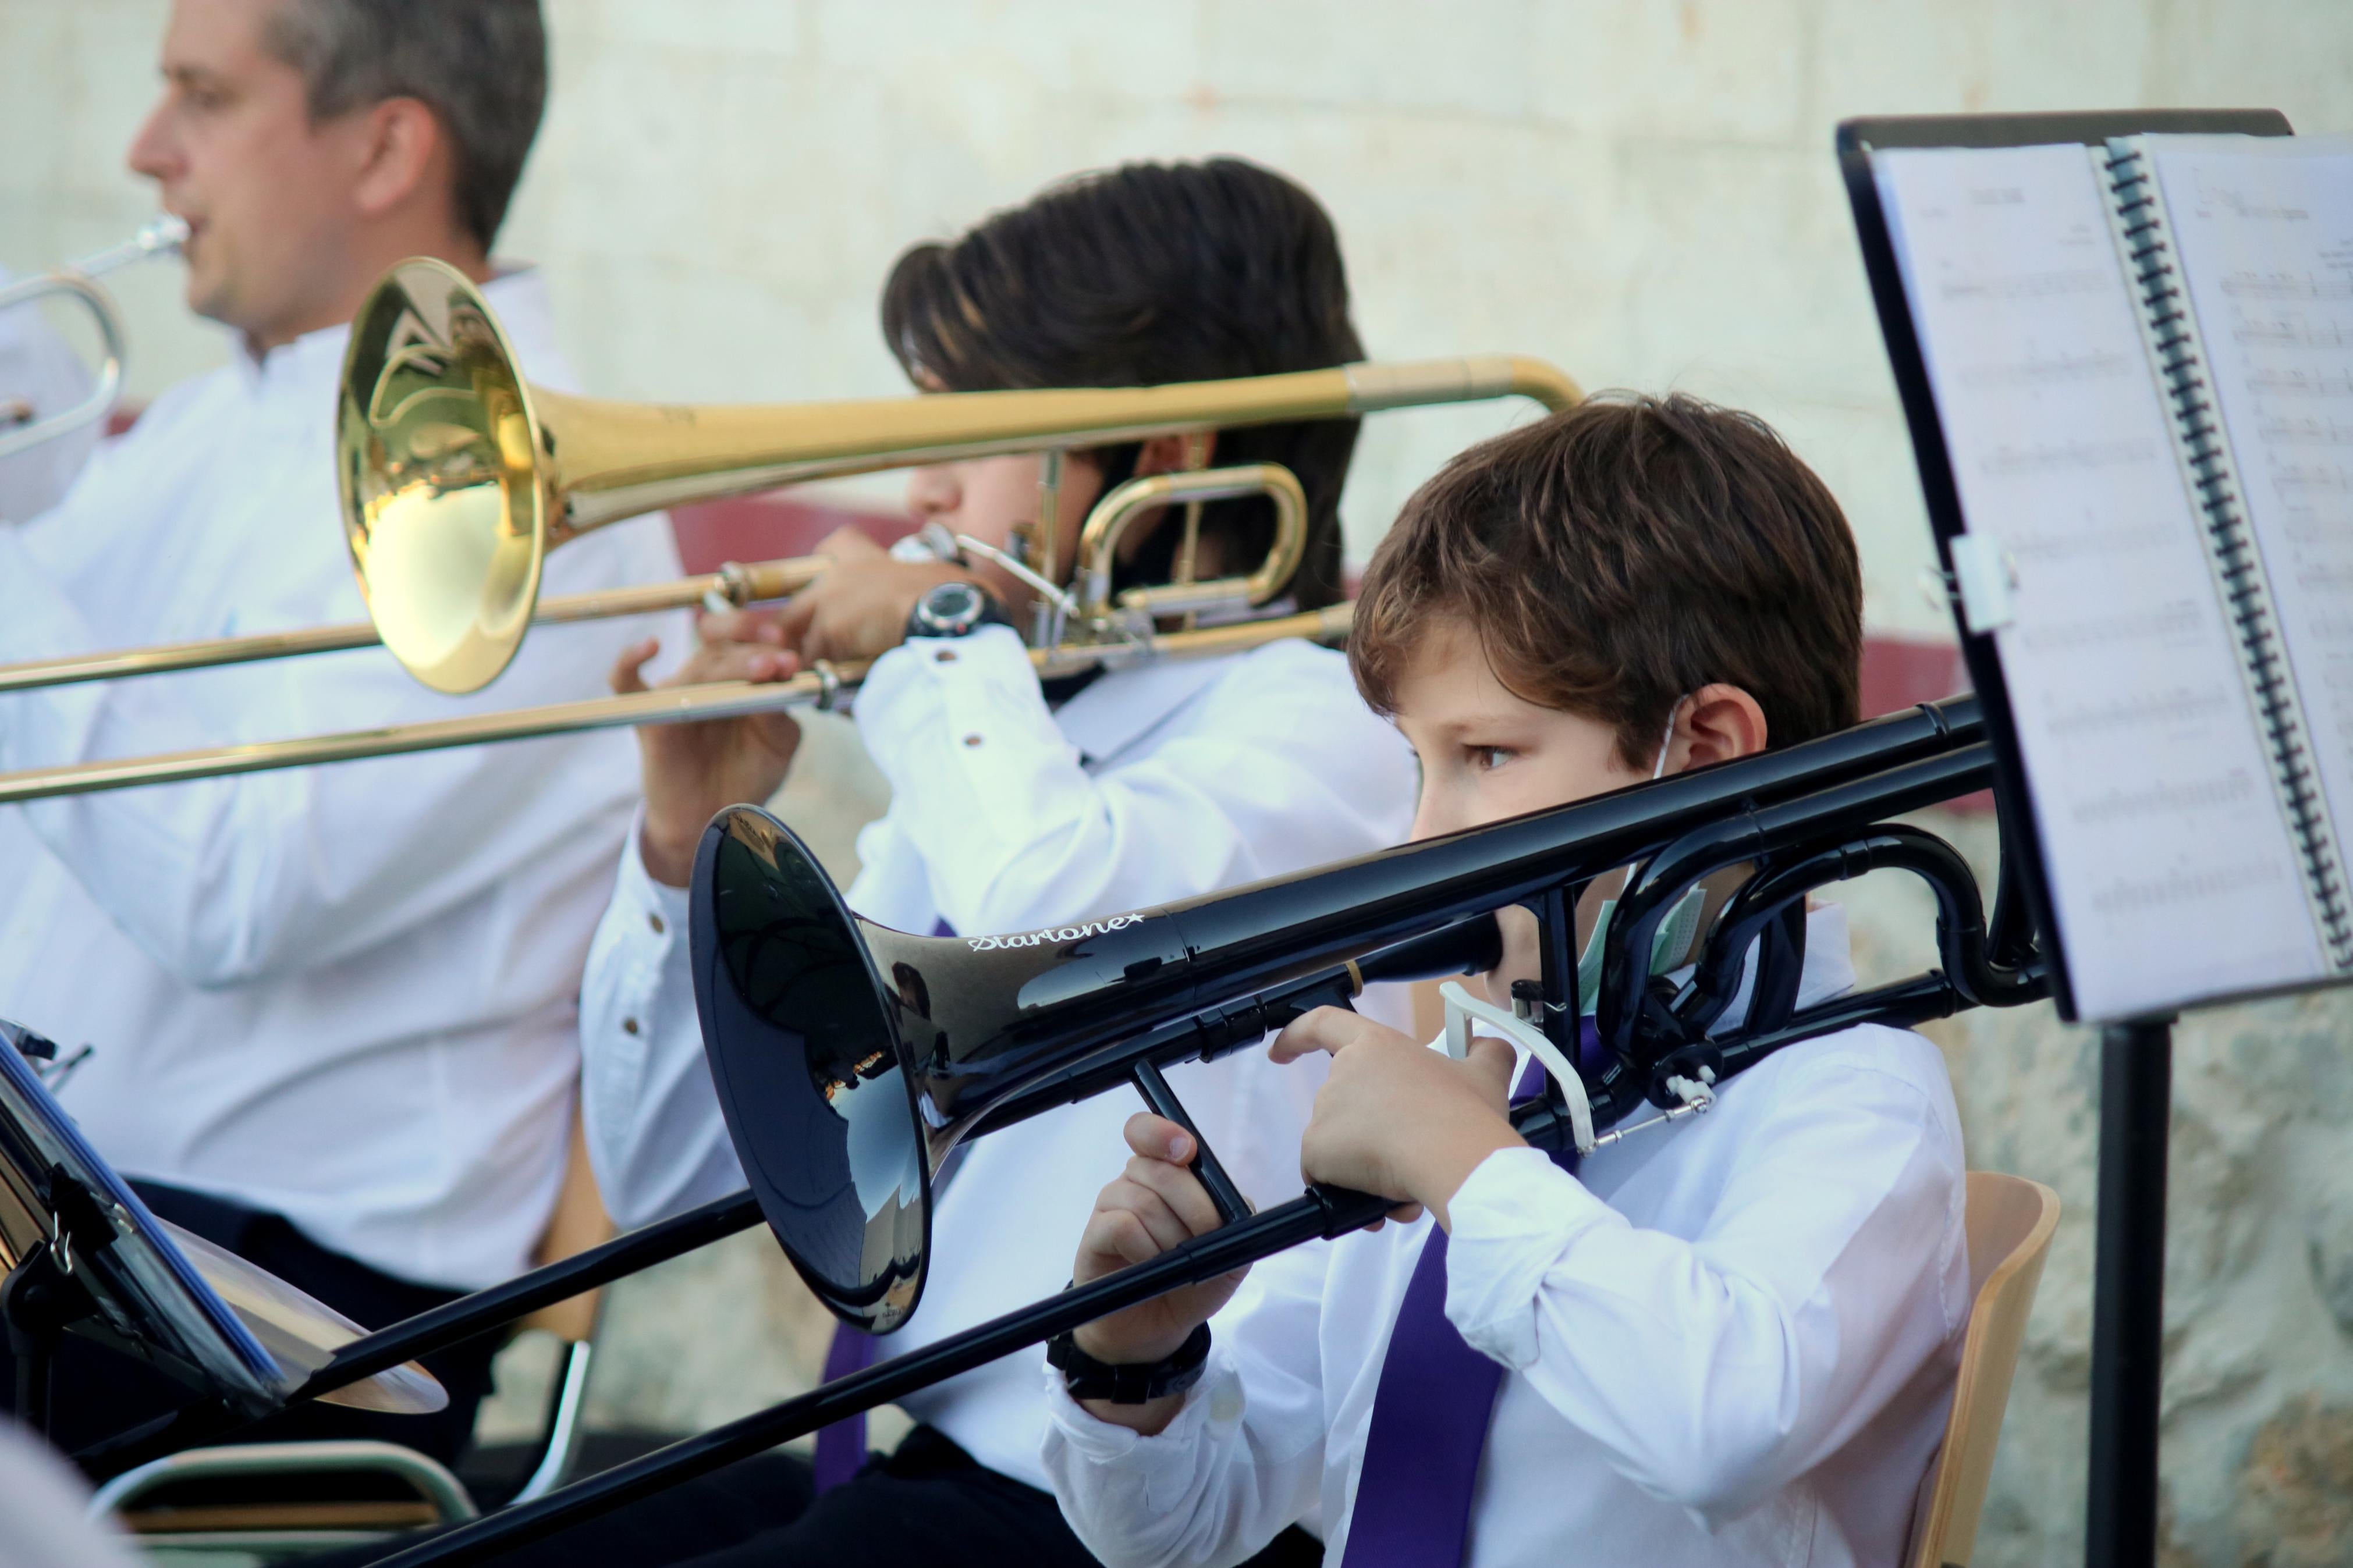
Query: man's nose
(155, 151)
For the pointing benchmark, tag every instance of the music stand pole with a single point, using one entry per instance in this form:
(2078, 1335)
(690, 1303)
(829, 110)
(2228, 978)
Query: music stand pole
(38, 1301)
(2129, 1293)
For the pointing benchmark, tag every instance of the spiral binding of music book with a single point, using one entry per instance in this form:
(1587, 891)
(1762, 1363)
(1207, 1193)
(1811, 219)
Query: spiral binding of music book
(2170, 324)
(2134, 408)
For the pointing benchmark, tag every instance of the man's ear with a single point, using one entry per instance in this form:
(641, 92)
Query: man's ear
(1717, 723)
(402, 150)
(1176, 454)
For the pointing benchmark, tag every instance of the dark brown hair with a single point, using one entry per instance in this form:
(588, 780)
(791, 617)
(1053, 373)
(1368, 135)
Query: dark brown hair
(1142, 275)
(1618, 555)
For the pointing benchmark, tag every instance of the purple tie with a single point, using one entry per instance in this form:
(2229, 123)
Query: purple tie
(1430, 1412)
(841, 1448)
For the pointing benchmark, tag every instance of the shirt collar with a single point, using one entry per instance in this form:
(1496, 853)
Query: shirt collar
(518, 295)
(1828, 971)
(1830, 961)
(1119, 709)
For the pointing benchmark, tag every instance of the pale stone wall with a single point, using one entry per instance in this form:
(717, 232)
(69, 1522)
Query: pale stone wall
(1641, 190)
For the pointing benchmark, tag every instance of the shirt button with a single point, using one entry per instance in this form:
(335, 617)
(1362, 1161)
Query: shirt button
(629, 1026)
(972, 740)
(655, 922)
(946, 656)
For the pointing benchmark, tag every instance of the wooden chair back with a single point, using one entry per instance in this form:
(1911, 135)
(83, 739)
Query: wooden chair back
(2010, 1221)
(578, 1223)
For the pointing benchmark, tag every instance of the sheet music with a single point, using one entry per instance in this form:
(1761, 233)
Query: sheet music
(2171, 869)
(2263, 230)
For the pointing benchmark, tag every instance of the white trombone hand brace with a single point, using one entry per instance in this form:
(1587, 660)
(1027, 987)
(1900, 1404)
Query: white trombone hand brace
(1461, 1007)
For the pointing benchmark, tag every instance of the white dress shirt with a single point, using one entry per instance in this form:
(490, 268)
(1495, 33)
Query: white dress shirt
(47, 1522)
(38, 367)
(344, 993)
(1152, 784)
(1728, 1341)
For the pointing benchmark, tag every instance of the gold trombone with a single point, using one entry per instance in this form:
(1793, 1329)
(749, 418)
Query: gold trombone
(458, 476)
(159, 236)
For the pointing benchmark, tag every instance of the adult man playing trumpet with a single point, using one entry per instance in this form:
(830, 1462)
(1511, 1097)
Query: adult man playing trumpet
(333, 1009)
(1015, 805)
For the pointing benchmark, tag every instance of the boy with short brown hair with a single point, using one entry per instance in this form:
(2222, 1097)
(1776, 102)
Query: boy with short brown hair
(1728, 1341)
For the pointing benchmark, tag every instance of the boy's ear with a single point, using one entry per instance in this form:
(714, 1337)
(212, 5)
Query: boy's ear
(1718, 724)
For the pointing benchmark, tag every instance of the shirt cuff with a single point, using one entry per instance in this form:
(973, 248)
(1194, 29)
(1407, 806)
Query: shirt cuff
(1513, 1219)
(1215, 1396)
(660, 907)
(932, 706)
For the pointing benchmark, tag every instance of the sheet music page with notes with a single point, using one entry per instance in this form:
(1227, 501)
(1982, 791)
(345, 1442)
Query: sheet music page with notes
(2265, 232)
(2171, 870)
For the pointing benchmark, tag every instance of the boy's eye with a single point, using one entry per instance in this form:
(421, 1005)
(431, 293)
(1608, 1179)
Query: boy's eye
(1486, 759)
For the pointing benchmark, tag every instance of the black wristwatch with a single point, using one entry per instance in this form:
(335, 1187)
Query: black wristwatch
(955, 609)
(1137, 1382)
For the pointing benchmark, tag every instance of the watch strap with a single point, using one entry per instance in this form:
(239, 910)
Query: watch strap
(1132, 1383)
(974, 607)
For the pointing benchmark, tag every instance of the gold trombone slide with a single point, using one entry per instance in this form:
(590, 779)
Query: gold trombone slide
(733, 584)
(1117, 633)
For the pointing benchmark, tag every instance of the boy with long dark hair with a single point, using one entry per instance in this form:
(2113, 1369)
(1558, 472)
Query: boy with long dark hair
(1015, 805)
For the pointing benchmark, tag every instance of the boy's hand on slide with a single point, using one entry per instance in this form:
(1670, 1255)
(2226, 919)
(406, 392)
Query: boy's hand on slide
(1154, 1205)
(1397, 1119)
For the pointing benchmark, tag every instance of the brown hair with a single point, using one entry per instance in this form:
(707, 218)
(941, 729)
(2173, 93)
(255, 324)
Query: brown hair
(1618, 555)
(1140, 275)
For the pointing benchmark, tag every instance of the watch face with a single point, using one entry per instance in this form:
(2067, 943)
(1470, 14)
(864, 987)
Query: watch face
(952, 607)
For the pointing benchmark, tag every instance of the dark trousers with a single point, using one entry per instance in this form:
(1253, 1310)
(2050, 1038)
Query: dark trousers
(927, 1502)
(99, 1392)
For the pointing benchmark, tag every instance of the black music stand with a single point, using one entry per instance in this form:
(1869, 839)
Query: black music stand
(2136, 1057)
(81, 1253)
(84, 1255)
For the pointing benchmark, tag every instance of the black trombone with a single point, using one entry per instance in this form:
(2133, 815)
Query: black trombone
(817, 1022)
